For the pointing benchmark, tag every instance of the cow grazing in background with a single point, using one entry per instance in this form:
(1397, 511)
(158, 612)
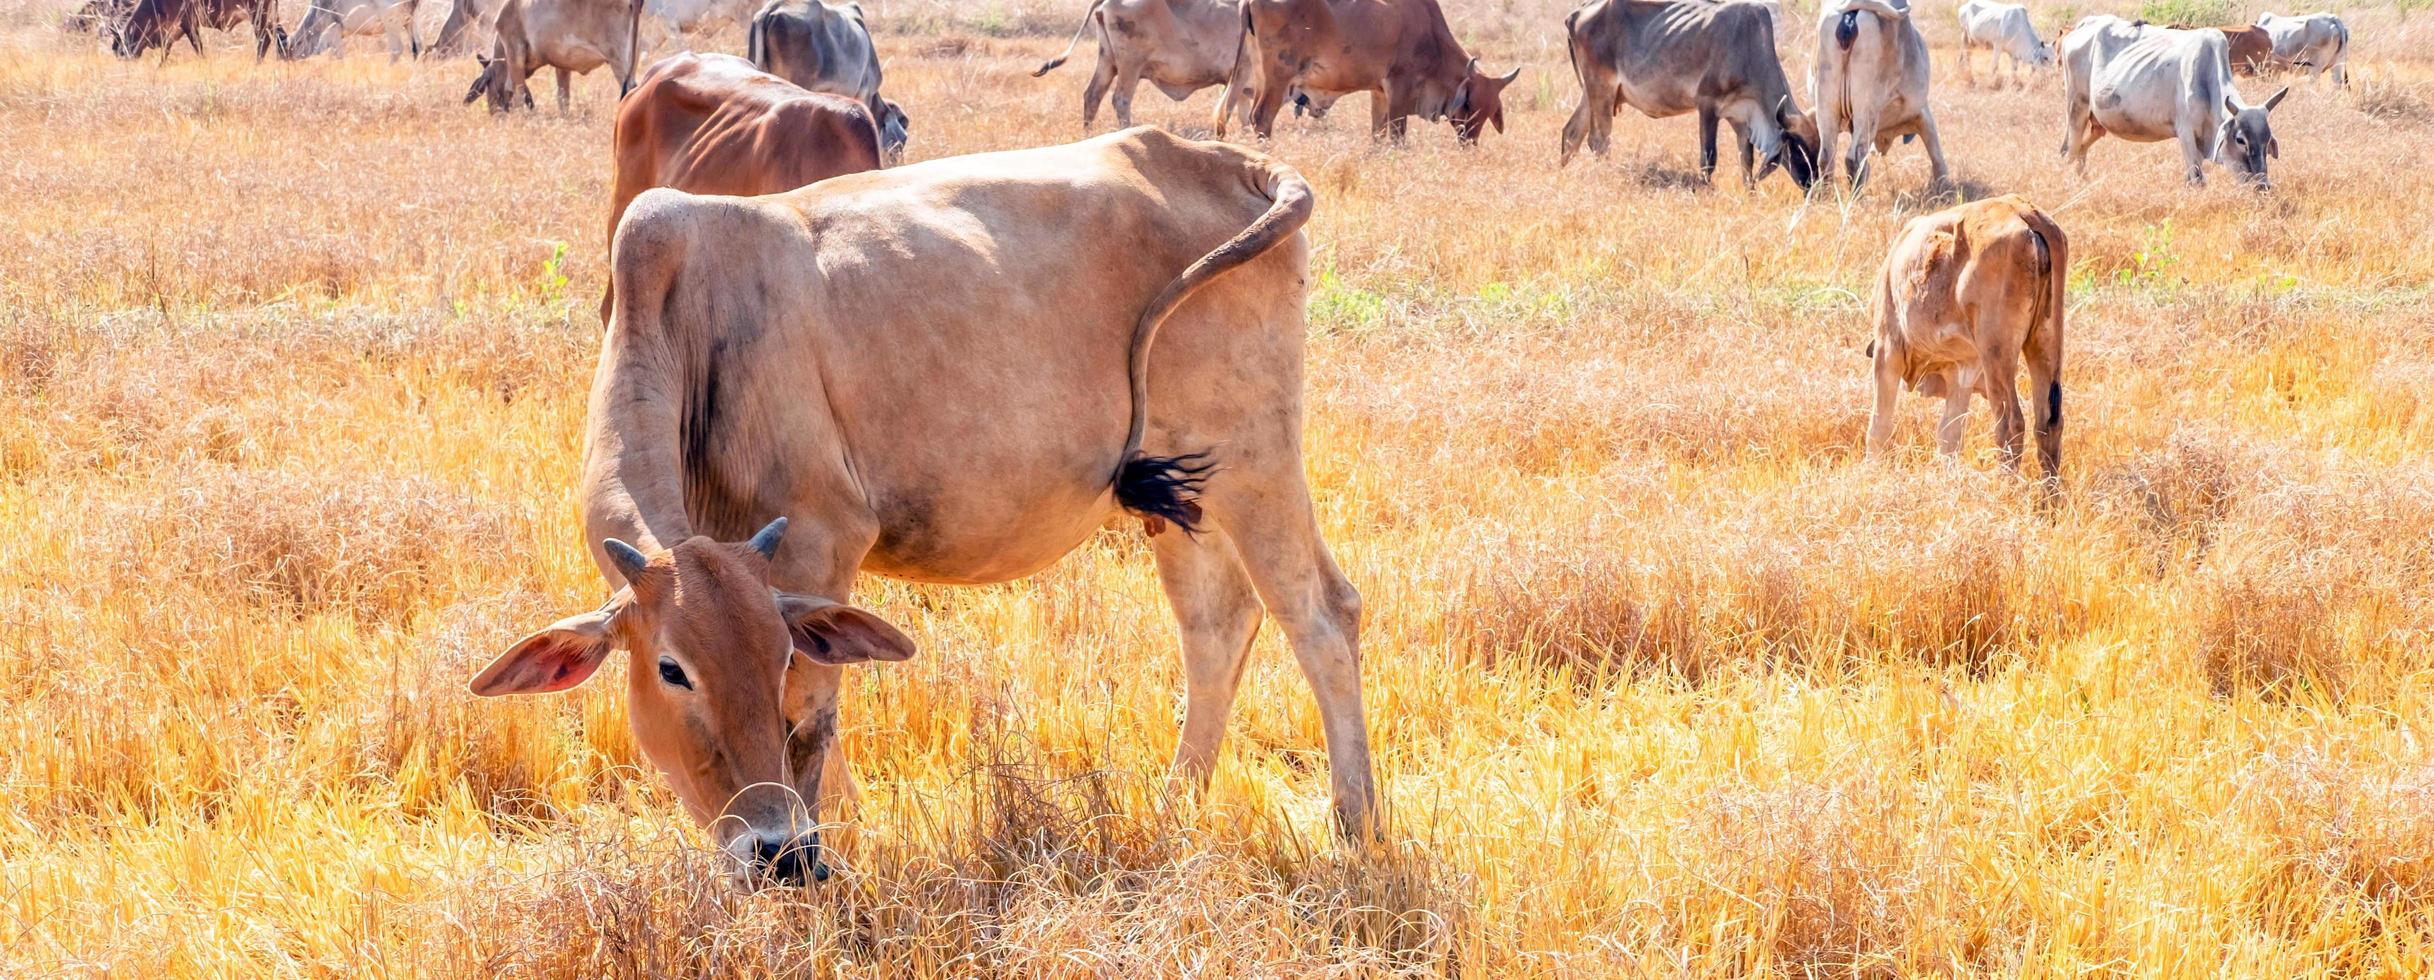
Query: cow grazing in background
(2249, 47)
(160, 23)
(664, 20)
(936, 373)
(2148, 84)
(327, 24)
(1870, 80)
(1966, 294)
(713, 124)
(826, 49)
(2004, 31)
(2316, 42)
(1670, 58)
(1180, 46)
(1401, 52)
(572, 36)
(461, 32)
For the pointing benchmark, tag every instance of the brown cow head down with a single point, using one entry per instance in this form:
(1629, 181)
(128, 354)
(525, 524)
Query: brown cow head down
(1478, 101)
(721, 692)
(1795, 145)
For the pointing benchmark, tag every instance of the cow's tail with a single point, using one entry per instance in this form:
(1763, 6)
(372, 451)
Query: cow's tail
(1236, 82)
(1168, 487)
(2053, 264)
(633, 49)
(1078, 31)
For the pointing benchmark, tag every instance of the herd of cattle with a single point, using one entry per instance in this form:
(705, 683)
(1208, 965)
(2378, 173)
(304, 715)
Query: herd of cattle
(931, 371)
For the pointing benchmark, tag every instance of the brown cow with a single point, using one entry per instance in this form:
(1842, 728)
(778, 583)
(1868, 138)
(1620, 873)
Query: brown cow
(162, 22)
(2251, 49)
(713, 124)
(951, 372)
(1401, 52)
(1966, 292)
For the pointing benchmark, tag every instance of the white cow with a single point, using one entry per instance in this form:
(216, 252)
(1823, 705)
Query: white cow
(2003, 29)
(2316, 42)
(327, 24)
(2147, 84)
(664, 20)
(1870, 80)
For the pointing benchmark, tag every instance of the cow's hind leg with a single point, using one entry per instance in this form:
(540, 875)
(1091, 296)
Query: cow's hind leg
(1095, 91)
(1941, 171)
(1217, 612)
(1264, 504)
(566, 87)
(1128, 82)
(1707, 143)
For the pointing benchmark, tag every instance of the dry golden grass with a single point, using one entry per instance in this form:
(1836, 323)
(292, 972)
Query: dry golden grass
(1665, 679)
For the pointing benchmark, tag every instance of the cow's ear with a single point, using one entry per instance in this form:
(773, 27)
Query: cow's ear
(559, 657)
(1497, 118)
(832, 632)
(2276, 98)
(2273, 148)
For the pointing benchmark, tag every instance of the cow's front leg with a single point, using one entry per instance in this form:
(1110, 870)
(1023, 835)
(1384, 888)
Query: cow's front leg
(1707, 144)
(1749, 154)
(2195, 155)
(566, 87)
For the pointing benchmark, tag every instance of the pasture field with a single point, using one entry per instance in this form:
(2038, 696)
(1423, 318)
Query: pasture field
(1664, 678)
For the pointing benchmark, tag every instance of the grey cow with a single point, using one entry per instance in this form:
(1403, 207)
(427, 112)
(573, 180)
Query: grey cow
(826, 48)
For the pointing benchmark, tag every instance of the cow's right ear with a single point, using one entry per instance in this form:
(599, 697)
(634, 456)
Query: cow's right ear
(557, 658)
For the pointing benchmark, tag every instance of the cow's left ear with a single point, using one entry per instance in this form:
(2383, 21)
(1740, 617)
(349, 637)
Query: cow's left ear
(2273, 148)
(1497, 118)
(832, 632)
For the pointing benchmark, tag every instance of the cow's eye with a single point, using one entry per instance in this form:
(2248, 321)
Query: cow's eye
(674, 674)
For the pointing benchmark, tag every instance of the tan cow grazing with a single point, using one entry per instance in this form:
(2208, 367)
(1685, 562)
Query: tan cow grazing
(940, 375)
(1670, 57)
(1966, 292)
(1870, 80)
(1180, 46)
(1401, 52)
(572, 36)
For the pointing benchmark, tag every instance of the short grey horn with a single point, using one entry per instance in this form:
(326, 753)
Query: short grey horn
(628, 559)
(766, 542)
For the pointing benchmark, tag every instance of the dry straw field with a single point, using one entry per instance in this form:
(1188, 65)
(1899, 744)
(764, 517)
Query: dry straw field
(1665, 678)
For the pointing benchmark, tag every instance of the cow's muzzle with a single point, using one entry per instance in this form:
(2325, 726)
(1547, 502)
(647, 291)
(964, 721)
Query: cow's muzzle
(790, 861)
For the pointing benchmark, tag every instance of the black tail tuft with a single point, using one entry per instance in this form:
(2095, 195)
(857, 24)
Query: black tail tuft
(1165, 486)
(1052, 65)
(1846, 30)
(2053, 402)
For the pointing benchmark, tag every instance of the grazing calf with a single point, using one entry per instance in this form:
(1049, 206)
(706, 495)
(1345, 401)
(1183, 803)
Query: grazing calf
(1669, 57)
(2249, 48)
(952, 372)
(572, 36)
(2316, 42)
(327, 24)
(1180, 46)
(2004, 31)
(826, 48)
(1401, 52)
(1870, 80)
(1967, 292)
(2147, 84)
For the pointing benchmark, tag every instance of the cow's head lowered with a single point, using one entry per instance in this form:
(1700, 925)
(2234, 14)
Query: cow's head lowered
(1478, 101)
(1786, 137)
(724, 691)
(2247, 139)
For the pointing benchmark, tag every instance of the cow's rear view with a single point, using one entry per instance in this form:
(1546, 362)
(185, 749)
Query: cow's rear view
(1966, 293)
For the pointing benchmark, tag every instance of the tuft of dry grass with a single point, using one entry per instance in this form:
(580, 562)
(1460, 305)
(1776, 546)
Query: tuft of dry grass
(1665, 679)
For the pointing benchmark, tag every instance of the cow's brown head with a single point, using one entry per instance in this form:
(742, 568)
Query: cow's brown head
(1795, 144)
(1478, 101)
(2246, 139)
(140, 30)
(731, 685)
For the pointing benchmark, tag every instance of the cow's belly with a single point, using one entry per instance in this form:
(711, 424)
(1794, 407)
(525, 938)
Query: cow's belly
(2137, 119)
(1657, 99)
